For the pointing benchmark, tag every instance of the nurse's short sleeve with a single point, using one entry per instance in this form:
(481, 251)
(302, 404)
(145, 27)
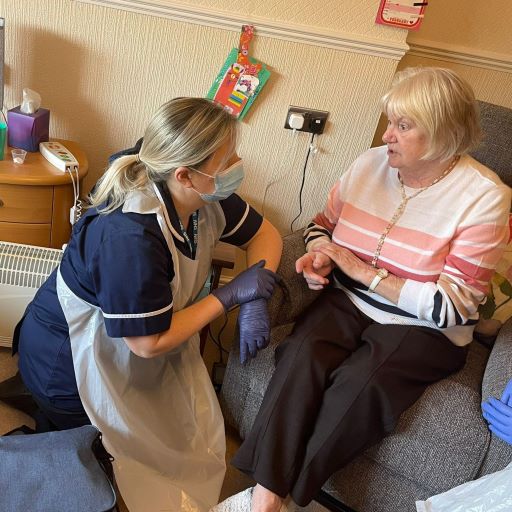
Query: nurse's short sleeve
(242, 221)
(131, 272)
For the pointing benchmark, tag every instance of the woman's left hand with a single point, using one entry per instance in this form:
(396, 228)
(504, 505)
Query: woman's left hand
(345, 260)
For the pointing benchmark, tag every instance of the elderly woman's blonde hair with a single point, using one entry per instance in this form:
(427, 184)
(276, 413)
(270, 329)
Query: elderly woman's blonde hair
(183, 132)
(441, 104)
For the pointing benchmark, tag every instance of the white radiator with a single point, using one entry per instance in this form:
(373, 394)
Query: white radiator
(23, 269)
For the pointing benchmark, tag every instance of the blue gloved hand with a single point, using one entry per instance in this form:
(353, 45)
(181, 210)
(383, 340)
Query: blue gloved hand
(254, 326)
(498, 414)
(254, 283)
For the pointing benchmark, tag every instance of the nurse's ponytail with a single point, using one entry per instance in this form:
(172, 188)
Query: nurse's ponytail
(183, 132)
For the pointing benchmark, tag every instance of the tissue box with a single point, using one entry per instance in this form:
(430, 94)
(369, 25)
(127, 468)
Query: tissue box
(26, 131)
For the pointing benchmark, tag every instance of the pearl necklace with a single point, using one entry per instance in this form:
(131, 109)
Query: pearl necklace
(401, 207)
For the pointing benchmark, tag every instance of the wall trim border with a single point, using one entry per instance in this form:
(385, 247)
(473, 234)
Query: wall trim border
(266, 28)
(461, 55)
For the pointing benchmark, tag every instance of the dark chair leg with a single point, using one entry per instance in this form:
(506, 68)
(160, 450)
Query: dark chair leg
(331, 503)
(14, 393)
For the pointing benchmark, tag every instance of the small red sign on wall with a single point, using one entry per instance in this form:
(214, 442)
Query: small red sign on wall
(401, 13)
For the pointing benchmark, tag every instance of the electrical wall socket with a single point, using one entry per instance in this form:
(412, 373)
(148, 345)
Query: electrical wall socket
(314, 120)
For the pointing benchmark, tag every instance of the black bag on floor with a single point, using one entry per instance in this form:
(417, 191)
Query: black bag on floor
(59, 471)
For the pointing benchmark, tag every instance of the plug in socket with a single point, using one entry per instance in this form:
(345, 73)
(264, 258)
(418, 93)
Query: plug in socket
(314, 120)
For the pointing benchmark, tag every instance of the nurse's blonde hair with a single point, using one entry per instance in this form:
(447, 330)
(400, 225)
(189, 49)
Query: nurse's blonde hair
(441, 104)
(183, 132)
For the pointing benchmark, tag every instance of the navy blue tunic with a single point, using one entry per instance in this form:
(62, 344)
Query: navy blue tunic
(120, 263)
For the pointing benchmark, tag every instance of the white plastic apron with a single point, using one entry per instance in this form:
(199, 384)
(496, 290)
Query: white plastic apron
(160, 417)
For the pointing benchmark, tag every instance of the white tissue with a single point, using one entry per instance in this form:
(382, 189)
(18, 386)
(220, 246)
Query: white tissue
(31, 101)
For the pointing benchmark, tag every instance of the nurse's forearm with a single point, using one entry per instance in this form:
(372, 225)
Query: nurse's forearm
(184, 324)
(266, 245)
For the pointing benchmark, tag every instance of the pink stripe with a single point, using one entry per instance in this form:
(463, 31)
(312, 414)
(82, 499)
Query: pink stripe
(399, 255)
(483, 233)
(400, 272)
(377, 224)
(488, 257)
(334, 204)
(469, 269)
(323, 221)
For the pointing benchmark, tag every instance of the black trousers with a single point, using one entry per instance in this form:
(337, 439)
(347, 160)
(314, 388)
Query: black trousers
(340, 385)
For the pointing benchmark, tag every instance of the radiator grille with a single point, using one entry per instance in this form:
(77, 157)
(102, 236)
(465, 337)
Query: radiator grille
(26, 265)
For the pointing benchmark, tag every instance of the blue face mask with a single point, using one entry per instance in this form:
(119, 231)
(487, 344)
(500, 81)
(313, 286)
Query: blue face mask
(226, 182)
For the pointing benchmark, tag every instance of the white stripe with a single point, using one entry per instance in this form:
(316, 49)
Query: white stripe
(389, 240)
(468, 243)
(239, 224)
(457, 273)
(138, 315)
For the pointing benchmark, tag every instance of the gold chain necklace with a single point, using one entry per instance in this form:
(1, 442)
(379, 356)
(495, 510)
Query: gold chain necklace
(401, 207)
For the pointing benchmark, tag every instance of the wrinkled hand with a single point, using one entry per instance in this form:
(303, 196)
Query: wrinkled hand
(315, 266)
(254, 283)
(344, 259)
(254, 325)
(498, 414)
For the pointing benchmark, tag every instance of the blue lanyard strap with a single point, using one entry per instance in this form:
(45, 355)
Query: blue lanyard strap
(192, 244)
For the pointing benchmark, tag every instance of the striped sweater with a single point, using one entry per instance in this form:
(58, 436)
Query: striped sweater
(446, 244)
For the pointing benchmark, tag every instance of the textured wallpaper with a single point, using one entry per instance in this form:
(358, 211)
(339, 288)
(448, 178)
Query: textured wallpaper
(351, 16)
(102, 72)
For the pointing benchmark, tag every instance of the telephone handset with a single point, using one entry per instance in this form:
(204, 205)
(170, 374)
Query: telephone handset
(60, 156)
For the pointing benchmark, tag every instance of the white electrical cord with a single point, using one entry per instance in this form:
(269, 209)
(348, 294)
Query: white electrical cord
(78, 202)
(76, 209)
(277, 173)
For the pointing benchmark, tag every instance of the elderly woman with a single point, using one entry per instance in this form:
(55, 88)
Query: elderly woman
(404, 251)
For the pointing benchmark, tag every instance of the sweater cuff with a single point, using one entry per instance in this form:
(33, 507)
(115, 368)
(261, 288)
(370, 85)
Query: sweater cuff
(410, 296)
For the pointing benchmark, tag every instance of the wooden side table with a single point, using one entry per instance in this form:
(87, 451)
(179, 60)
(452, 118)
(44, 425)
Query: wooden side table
(35, 199)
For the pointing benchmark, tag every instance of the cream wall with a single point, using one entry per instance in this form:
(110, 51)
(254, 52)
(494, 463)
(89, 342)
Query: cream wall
(471, 37)
(349, 16)
(102, 72)
(482, 26)
(478, 29)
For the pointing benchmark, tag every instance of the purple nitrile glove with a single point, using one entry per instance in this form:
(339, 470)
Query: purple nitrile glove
(254, 326)
(254, 283)
(498, 414)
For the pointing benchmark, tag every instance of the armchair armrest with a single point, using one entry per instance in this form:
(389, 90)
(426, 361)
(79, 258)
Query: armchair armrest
(499, 366)
(497, 374)
(291, 295)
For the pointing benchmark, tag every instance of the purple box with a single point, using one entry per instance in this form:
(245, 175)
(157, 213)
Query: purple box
(26, 131)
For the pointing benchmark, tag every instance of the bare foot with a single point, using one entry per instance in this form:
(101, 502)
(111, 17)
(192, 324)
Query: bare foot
(264, 500)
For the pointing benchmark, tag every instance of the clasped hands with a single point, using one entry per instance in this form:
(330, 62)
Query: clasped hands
(316, 265)
(498, 414)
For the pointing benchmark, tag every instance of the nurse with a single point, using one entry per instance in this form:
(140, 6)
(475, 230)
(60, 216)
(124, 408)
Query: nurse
(111, 337)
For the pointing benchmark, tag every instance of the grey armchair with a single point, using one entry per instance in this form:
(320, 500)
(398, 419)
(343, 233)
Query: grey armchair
(442, 440)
